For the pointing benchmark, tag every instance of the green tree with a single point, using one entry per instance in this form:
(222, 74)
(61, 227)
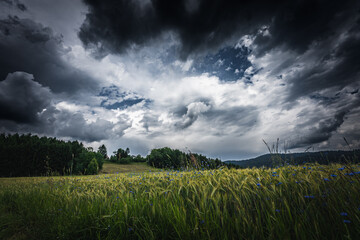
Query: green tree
(103, 151)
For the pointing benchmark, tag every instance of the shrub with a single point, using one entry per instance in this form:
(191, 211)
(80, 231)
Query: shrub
(93, 167)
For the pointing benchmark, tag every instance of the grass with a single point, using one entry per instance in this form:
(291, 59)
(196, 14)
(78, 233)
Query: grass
(111, 168)
(302, 202)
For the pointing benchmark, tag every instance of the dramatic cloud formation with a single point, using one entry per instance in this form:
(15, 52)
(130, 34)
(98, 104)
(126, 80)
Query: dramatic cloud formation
(212, 76)
(30, 47)
(115, 26)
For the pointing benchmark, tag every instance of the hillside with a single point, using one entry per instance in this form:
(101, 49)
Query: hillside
(323, 157)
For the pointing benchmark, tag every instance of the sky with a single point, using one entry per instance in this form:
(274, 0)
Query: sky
(215, 77)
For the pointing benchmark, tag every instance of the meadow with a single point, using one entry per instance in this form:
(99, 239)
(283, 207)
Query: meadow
(291, 202)
(134, 167)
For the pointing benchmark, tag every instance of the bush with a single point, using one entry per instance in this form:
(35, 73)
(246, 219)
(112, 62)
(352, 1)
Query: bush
(93, 167)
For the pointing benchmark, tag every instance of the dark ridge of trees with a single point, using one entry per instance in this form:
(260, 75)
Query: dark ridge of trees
(175, 159)
(30, 155)
(279, 159)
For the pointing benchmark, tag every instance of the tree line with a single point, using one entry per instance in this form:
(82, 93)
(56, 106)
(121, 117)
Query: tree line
(176, 159)
(30, 155)
(168, 158)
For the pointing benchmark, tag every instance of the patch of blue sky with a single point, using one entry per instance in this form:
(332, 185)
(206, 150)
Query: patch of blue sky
(229, 64)
(113, 98)
(123, 104)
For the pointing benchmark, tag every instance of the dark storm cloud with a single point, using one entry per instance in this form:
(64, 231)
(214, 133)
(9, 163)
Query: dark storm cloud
(30, 47)
(322, 132)
(325, 53)
(343, 71)
(26, 106)
(75, 126)
(21, 98)
(16, 3)
(331, 79)
(9, 2)
(113, 26)
(21, 6)
(241, 119)
(341, 105)
(69, 124)
(297, 24)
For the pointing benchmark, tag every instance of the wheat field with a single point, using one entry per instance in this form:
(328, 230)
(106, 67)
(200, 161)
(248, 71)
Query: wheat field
(292, 202)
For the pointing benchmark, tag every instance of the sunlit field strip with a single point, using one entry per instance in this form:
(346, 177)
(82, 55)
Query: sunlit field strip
(307, 202)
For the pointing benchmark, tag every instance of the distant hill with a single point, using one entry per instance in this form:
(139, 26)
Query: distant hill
(323, 157)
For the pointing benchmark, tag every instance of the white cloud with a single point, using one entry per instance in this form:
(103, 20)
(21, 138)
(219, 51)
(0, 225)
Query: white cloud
(185, 66)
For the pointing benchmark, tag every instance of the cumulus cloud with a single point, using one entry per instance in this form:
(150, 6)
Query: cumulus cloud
(193, 111)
